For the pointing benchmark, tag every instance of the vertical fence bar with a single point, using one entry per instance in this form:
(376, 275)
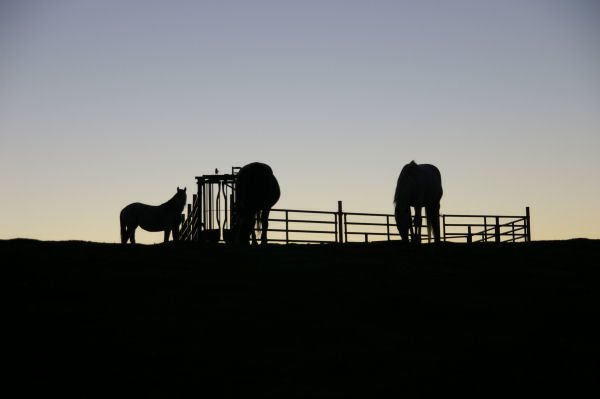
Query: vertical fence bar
(512, 225)
(387, 225)
(366, 237)
(287, 228)
(198, 213)
(528, 224)
(206, 205)
(227, 221)
(469, 236)
(485, 229)
(232, 210)
(497, 229)
(345, 228)
(194, 221)
(340, 227)
(427, 224)
(210, 206)
(204, 208)
(444, 226)
(336, 224)
(202, 213)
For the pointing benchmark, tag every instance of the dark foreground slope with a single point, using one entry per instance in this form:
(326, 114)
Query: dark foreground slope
(298, 321)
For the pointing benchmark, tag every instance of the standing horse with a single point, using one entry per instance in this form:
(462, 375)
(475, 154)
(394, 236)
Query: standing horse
(165, 217)
(418, 186)
(257, 190)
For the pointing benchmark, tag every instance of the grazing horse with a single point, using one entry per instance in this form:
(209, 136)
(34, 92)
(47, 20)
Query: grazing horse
(165, 217)
(257, 190)
(418, 186)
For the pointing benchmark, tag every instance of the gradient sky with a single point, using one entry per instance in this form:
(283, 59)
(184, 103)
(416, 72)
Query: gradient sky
(104, 103)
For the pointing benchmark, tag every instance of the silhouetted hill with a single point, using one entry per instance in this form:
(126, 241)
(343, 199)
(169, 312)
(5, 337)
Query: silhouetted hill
(304, 321)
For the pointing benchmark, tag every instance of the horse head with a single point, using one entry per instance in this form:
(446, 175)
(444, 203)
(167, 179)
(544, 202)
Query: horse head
(181, 196)
(242, 225)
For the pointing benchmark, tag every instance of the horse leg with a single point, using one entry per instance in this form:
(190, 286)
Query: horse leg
(252, 229)
(264, 220)
(418, 220)
(402, 217)
(132, 234)
(243, 227)
(167, 232)
(176, 233)
(124, 233)
(434, 211)
(254, 242)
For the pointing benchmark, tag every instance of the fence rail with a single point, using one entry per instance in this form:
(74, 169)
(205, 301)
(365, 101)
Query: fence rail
(314, 226)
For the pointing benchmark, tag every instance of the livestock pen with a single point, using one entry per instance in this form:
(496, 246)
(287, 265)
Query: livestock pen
(209, 217)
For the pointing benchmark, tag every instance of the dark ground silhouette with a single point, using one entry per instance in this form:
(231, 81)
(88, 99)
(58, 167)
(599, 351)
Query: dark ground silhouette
(360, 320)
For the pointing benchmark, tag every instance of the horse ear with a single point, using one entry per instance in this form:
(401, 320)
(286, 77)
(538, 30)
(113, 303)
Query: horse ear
(185, 189)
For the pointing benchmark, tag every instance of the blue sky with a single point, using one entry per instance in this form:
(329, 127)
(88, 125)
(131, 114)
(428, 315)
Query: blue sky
(103, 103)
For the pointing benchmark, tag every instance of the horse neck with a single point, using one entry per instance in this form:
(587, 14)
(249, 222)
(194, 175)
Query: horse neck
(173, 203)
(404, 187)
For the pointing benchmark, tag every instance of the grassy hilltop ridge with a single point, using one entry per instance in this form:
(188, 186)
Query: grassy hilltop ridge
(322, 320)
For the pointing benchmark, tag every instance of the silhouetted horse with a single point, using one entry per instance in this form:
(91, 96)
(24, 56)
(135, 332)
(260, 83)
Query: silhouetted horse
(257, 190)
(418, 186)
(165, 217)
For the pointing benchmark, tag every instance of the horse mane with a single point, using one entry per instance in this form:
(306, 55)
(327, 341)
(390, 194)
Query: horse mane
(177, 201)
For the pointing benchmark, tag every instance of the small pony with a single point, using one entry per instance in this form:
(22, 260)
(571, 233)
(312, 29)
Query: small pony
(165, 217)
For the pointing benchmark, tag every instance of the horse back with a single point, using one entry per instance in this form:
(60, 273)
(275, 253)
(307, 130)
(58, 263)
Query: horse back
(130, 211)
(431, 182)
(257, 187)
(418, 185)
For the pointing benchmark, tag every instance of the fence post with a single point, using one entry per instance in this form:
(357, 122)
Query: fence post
(194, 221)
(484, 229)
(497, 229)
(469, 236)
(387, 223)
(444, 226)
(512, 225)
(528, 223)
(336, 224)
(345, 227)
(428, 231)
(366, 237)
(340, 228)
(208, 205)
(287, 232)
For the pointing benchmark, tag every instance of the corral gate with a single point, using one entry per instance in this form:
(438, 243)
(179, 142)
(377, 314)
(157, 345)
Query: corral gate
(210, 214)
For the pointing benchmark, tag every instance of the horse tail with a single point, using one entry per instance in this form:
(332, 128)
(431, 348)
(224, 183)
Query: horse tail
(429, 223)
(433, 220)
